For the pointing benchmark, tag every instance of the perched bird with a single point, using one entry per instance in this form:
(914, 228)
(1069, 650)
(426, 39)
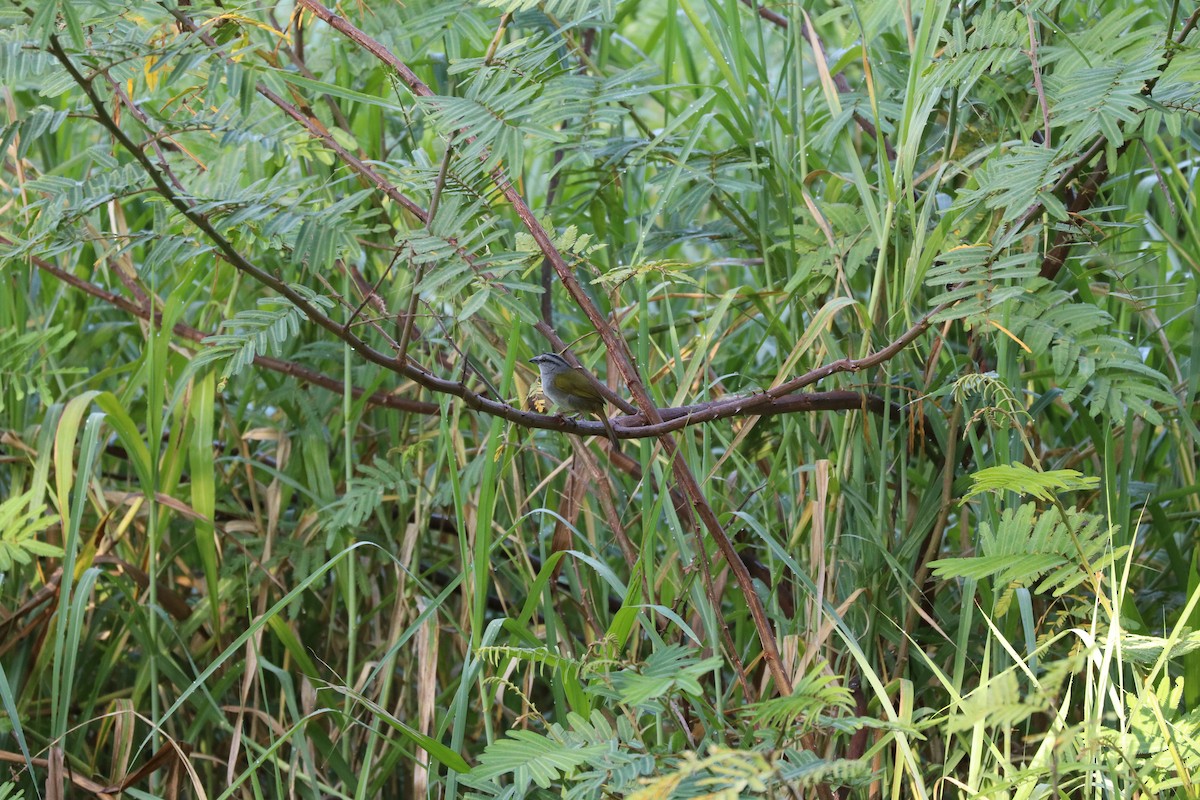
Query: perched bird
(570, 390)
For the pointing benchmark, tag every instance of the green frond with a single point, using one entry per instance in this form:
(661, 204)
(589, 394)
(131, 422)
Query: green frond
(1107, 38)
(29, 362)
(979, 280)
(449, 26)
(669, 669)
(817, 693)
(60, 204)
(558, 756)
(39, 122)
(541, 656)
(1161, 752)
(1016, 477)
(1114, 378)
(265, 330)
(1031, 547)
(998, 703)
(805, 768)
(23, 66)
(20, 523)
(1105, 99)
(532, 758)
(995, 42)
(1015, 180)
(1003, 292)
(374, 485)
(723, 773)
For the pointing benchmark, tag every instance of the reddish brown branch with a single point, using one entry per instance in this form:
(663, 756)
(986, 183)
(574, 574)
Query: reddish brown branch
(782, 398)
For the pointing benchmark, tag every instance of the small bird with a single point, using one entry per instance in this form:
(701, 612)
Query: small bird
(567, 388)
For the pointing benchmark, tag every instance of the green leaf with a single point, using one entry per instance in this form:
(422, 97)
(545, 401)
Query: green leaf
(1016, 477)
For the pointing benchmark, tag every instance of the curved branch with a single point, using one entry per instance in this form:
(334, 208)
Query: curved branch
(406, 368)
(756, 403)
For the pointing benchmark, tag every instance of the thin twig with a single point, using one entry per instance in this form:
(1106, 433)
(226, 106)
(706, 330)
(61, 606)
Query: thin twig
(415, 292)
(1037, 79)
(505, 18)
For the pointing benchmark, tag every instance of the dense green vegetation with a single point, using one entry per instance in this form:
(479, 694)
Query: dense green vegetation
(895, 304)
